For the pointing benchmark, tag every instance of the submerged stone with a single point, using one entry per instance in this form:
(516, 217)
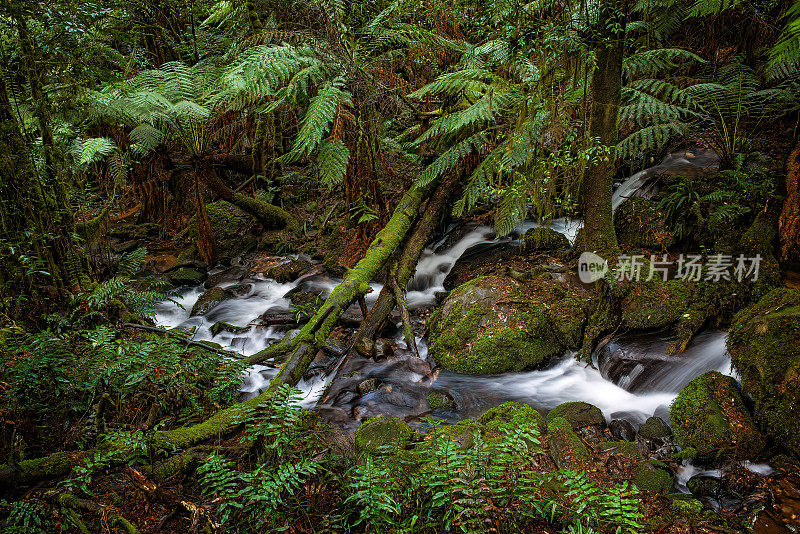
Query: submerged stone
(289, 271)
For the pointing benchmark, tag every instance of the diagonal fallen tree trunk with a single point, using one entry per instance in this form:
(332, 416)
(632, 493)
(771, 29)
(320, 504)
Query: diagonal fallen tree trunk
(301, 347)
(355, 284)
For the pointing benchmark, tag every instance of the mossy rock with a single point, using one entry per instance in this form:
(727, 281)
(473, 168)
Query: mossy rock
(135, 231)
(440, 401)
(544, 238)
(462, 432)
(289, 271)
(641, 223)
(764, 343)
(383, 435)
(578, 414)
(188, 256)
(510, 415)
(709, 415)
(625, 448)
(687, 507)
(210, 299)
(652, 475)
(655, 428)
(488, 326)
(186, 276)
(655, 304)
(566, 448)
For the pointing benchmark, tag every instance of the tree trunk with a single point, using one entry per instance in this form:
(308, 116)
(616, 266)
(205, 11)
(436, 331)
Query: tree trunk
(609, 45)
(355, 284)
(272, 217)
(789, 223)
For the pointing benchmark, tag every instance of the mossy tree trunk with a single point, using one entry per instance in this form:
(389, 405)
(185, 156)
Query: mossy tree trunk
(354, 285)
(607, 39)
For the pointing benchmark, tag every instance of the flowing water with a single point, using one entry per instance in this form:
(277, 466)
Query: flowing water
(632, 377)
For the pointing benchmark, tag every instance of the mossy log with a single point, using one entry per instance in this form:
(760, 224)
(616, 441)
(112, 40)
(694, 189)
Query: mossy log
(269, 215)
(354, 285)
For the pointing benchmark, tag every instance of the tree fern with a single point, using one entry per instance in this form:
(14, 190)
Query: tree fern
(332, 159)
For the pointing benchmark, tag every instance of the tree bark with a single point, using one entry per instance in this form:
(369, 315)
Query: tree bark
(608, 41)
(355, 284)
(789, 222)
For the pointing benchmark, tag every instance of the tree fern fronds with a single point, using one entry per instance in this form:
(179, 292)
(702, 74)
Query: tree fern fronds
(478, 115)
(786, 52)
(474, 80)
(451, 157)
(317, 120)
(131, 263)
(644, 109)
(94, 150)
(478, 181)
(649, 138)
(145, 138)
(651, 62)
(332, 159)
(704, 8)
(219, 13)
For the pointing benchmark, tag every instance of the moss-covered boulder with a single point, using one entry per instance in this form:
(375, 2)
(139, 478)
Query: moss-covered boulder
(511, 415)
(186, 276)
(578, 414)
(639, 222)
(624, 448)
(544, 238)
(764, 343)
(489, 325)
(652, 475)
(655, 428)
(222, 326)
(710, 416)
(289, 271)
(381, 435)
(210, 299)
(566, 448)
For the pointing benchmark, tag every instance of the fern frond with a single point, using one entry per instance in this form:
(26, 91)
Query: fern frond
(332, 159)
(651, 62)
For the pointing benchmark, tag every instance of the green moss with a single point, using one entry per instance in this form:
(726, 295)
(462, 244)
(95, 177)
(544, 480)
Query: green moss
(641, 223)
(654, 428)
(544, 238)
(625, 448)
(566, 448)
(655, 304)
(710, 416)
(764, 343)
(186, 276)
(511, 415)
(440, 401)
(211, 299)
(381, 435)
(289, 271)
(652, 475)
(188, 255)
(689, 508)
(579, 414)
(487, 326)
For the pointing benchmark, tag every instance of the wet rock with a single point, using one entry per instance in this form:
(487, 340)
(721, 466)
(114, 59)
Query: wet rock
(370, 384)
(764, 343)
(544, 238)
(566, 448)
(345, 397)
(641, 223)
(511, 415)
(235, 273)
(652, 475)
(230, 226)
(622, 430)
(289, 271)
(440, 401)
(134, 231)
(186, 276)
(709, 415)
(704, 486)
(211, 299)
(578, 414)
(487, 326)
(222, 326)
(655, 428)
(382, 435)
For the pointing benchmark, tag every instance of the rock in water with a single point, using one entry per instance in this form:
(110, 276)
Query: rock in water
(764, 343)
(488, 325)
(578, 414)
(710, 416)
(211, 299)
